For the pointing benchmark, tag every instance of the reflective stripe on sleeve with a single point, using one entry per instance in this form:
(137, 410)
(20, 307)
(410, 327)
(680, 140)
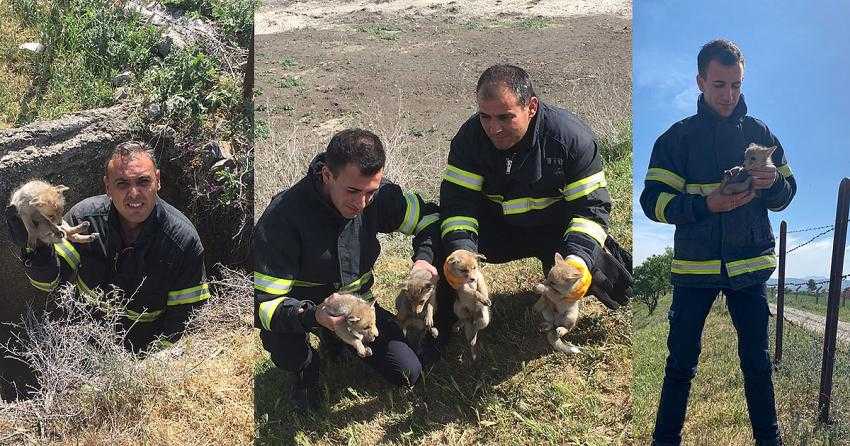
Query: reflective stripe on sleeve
(661, 205)
(667, 177)
(458, 223)
(189, 295)
(584, 187)
(426, 221)
(44, 286)
(357, 284)
(267, 310)
(411, 214)
(589, 227)
(67, 251)
(271, 285)
(701, 189)
(463, 178)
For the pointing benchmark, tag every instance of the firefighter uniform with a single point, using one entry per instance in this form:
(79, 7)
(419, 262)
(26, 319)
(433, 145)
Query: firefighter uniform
(304, 251)
(547, 196)
(729, 251)
(161, 273)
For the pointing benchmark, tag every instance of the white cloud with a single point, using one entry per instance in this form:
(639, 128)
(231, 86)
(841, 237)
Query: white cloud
(811, 260)
(685, 101)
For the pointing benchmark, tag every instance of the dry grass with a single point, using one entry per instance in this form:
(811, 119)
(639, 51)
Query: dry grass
(521, 392)
(92, 391)
(717, 412)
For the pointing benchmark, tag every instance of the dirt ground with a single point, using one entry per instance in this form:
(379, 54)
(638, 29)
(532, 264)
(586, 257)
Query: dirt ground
(418, 72)
(407, 70)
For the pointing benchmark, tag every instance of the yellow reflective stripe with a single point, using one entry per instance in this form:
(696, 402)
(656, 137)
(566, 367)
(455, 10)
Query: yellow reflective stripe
(354, 286)
(458, 223)
(44, 286)
(701, 189)
(463, 178)
(525, 204)
(266, 311)
(495, 198)
(661, 205)
(189, 295)
(754, 264)
(411, 214)
(145, 316)
(785, 170)
(85, 289)
(584, 186)
(426, 221)
(705, 267)
(271, 285)
(589, 227)
(666, 177)
(67, 251)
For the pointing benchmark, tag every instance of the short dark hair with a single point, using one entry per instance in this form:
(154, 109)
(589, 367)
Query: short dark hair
(129, 149)
(721, 50)
(495, 78)
(358, 146)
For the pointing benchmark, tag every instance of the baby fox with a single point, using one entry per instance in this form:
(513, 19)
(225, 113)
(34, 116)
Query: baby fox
(560, 293)
(40, 207)
(472, 306)
(738, 178)
(416, 304)
(360, 321)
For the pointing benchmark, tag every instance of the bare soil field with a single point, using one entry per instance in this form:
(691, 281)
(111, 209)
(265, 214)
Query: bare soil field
(407, 70)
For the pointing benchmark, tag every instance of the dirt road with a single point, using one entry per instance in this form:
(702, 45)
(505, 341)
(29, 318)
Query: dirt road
(813, 322)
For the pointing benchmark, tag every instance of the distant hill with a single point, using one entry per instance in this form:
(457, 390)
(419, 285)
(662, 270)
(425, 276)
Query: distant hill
(794, 281)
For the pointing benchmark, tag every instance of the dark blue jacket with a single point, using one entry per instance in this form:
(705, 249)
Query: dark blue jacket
(162, 272)
(730, 249)
(304, 250)
(554, 178)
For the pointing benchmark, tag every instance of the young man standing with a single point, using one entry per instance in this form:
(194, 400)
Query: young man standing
(722, 242)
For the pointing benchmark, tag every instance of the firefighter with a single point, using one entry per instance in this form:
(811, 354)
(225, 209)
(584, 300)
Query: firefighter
(146, 248)
(722, 242)
(525, 179)
(320, 237)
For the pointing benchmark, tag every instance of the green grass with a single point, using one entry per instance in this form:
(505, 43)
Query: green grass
(817, 306)
(287, 62)
(532, 23)
(290, 82)
(717, 408)
(520, 392)
(383, 32)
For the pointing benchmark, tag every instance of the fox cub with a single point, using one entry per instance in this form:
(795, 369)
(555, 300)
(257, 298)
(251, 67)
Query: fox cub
(738, 178)
(40, 207)
(416, 304)
(360, 324)
(559, 302)
(472, 306)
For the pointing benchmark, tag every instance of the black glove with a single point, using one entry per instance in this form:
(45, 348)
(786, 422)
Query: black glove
(612, 275)
(17, 230)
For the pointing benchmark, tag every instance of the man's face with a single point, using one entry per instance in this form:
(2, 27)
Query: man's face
(350, 192)
(721, 86)
(505, 121)
(132, 183)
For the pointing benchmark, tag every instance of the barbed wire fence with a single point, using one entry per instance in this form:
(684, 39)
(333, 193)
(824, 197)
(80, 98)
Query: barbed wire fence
(835, 292)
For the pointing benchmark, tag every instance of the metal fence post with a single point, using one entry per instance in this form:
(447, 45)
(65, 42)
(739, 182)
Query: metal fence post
(831, 329)
(780, 295)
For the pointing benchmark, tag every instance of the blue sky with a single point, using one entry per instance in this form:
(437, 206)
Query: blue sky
(795, 80)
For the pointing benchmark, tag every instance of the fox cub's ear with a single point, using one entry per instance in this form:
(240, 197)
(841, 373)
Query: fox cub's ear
(60, 188)
(37, 201)
(480, 256)
(558, 257)
(353, 319)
